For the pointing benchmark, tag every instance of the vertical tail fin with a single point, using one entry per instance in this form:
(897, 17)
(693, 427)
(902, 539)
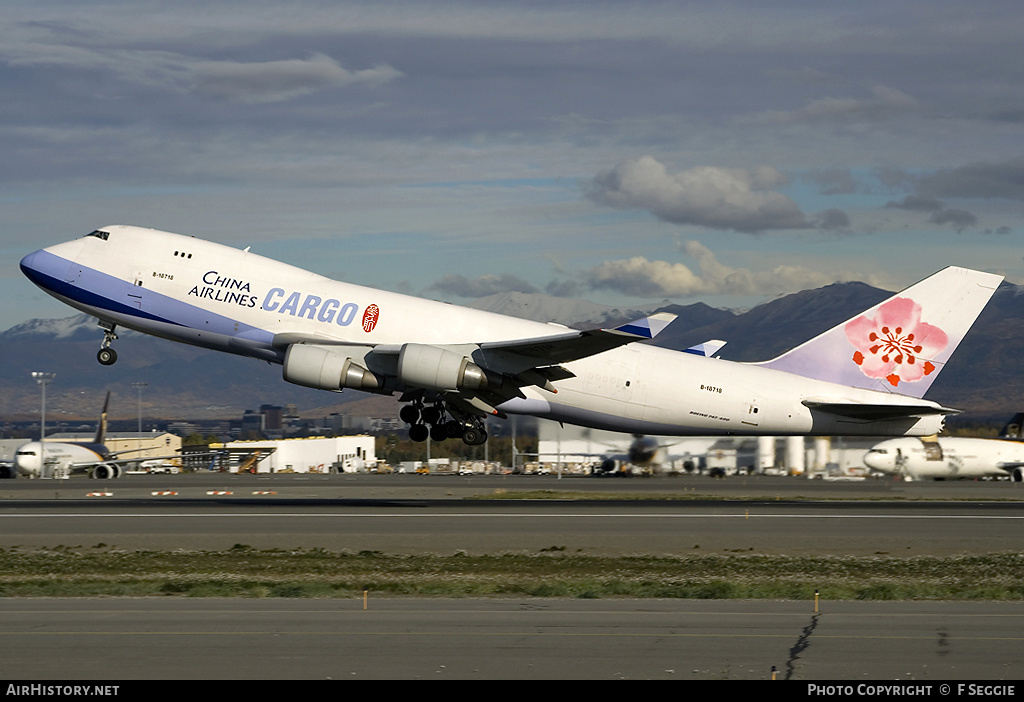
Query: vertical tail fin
(101, 428)
(899, 345)
(1014, 429)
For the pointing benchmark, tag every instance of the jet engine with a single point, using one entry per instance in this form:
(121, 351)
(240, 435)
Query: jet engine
(106, 471)
(329, 367)
(436, 368)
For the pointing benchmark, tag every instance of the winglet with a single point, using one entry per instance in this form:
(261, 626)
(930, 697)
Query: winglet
(648, 327)
(708, 348)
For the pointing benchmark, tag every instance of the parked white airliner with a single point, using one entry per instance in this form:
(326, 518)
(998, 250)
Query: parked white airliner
(952, 457)
(455, 366)
(60, 459)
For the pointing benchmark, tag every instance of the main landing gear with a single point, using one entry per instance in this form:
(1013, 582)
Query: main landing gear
(106, 355)
(435, 421)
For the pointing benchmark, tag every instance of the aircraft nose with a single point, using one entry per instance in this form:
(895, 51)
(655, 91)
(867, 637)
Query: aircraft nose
(45, 267)
(26, 462)
(875, 460)
(30, 266)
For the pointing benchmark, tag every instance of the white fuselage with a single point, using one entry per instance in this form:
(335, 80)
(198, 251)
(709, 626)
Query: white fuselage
(946, 458)
(49, 458)
(210, 295)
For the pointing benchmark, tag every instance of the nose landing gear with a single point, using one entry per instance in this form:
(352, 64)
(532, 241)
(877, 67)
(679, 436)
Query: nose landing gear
(106, 355)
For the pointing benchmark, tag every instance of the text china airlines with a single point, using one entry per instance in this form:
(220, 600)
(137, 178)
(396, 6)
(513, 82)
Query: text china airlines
(235, 291)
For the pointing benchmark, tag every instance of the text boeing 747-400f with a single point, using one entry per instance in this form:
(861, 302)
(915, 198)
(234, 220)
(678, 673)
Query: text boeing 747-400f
(456, 366)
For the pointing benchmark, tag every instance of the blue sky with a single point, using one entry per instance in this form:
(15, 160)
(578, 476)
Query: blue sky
(622, 152)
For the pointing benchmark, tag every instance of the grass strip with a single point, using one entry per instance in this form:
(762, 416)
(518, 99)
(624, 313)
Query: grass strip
(246, 572)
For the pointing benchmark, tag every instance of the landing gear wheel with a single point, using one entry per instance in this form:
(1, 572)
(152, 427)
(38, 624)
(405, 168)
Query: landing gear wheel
(107, 356)
(419, 432)
(410, 414)
(431, 415)
(474, 436)
(438, 432)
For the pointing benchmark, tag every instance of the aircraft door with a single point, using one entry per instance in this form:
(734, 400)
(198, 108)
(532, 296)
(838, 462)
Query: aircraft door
(932, 450)
(617, 380)
(752, 409)
(135, 291)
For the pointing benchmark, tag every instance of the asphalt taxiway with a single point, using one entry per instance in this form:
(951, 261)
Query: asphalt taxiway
(113, 640)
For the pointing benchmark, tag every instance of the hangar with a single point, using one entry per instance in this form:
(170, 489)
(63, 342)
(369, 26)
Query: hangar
(580, 449)
(146, 446)
(339, 454)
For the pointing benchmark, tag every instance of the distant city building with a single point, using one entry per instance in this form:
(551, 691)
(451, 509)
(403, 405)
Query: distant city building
(273, 417)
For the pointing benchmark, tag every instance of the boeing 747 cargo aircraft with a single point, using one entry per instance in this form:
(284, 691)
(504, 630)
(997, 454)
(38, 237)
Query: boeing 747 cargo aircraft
(455, 366)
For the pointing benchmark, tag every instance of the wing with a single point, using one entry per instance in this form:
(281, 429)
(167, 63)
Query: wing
(571, 346)
(474, 377)
(574, 345)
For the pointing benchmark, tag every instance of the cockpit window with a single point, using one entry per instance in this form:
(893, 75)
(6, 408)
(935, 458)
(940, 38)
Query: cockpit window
(100, 234)
(25, 453)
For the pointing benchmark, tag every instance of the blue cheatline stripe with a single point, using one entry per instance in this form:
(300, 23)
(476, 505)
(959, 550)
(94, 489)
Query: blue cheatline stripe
(86, 297)
(636, 330)
(176, 313)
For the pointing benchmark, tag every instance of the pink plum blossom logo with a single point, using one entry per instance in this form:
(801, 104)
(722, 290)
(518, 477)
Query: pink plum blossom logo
(892, 345)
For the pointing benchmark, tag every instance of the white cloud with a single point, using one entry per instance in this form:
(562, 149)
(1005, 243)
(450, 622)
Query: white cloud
(720, 198)
(481, 286)
(239, 81)
(643, 278)
(275, 81)
(884, 102)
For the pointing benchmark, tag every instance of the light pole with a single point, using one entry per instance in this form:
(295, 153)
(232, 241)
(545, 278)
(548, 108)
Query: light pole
(43, 379)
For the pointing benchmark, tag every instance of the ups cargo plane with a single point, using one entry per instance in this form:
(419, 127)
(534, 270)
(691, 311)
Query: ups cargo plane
(456, 366)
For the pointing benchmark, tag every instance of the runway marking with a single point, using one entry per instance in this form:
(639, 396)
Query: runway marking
(465, 634)
(403, 614)
(493, 515)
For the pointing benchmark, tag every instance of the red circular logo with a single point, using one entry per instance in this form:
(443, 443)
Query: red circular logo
(370, 317)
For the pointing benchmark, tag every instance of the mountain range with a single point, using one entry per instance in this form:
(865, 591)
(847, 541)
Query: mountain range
(185, 382)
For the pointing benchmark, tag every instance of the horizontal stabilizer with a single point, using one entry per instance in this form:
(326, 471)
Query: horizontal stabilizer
(858, 410)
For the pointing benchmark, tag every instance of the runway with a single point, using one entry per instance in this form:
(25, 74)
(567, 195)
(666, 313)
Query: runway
(439, 514)
(514, 638)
